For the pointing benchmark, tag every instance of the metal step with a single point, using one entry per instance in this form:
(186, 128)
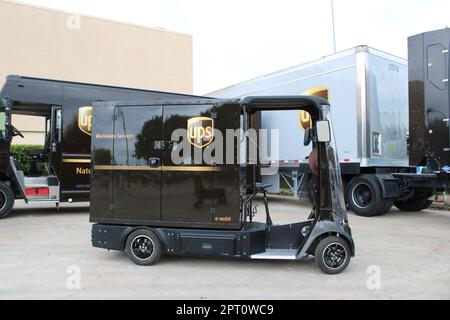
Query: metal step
(43, 201)
(276, 254)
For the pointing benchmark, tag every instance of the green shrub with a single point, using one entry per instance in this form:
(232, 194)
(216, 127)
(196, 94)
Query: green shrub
(20, 153)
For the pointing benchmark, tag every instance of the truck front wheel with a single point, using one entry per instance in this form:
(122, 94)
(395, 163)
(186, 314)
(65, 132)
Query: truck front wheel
(143, 247)
(416, 203)
(364, 197)
(6, 199)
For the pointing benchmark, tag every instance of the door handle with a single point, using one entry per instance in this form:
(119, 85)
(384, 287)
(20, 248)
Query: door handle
(154, 162)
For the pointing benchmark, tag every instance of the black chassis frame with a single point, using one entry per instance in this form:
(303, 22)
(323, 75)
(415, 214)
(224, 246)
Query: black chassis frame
(253, 237)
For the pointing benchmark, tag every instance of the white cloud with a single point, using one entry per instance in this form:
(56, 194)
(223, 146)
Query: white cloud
(235, 40)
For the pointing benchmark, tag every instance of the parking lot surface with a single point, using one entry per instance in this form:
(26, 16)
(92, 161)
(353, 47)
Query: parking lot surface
(399, 256)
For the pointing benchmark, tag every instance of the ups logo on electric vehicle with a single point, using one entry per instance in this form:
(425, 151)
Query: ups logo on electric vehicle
(200, 131)
(85, 119)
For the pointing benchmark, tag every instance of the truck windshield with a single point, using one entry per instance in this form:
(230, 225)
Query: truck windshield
(336, 185)
(3, 118)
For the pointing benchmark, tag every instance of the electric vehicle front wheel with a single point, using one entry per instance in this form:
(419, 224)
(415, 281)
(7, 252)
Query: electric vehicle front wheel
(332, 255)
(143, 247)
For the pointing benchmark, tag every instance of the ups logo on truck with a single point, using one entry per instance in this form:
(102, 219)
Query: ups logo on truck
(200, 131)
(85, 119)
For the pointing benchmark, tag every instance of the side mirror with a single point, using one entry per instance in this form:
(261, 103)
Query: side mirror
(323, 131)
(308, 137)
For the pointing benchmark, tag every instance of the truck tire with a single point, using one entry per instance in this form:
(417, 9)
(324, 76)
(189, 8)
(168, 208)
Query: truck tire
(6, 199)
(364, 197)
(415, 204)
(143, 247)
(332, 255)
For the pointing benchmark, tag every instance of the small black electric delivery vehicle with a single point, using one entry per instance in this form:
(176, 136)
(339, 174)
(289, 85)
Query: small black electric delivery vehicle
(147, 202)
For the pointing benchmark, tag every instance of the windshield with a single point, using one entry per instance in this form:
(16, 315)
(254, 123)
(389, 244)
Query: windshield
(3, 118)
(336, 185)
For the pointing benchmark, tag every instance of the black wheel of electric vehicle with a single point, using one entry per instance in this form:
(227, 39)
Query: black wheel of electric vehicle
(416, 203)
(332, 255)
(6, 200)
(143, 247)
(364, 197)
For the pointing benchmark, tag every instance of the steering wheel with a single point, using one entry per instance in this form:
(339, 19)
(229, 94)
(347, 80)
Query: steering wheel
(16, 132)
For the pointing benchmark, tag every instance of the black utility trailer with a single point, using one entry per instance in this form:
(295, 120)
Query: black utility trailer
(148, 204)
(66, 154)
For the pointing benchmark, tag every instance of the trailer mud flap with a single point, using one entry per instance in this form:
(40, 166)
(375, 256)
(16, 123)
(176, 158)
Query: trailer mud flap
(389, 186)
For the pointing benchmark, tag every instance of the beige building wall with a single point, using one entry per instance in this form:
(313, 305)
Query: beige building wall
(40, 42)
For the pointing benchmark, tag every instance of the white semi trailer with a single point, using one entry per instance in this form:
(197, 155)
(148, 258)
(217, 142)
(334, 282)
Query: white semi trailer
(368, 90)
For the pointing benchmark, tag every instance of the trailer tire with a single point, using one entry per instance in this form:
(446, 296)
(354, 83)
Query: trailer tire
(427, 204)
(143, 247)
(7, 199)
(332, 255)
(415, 204)
(364, 197)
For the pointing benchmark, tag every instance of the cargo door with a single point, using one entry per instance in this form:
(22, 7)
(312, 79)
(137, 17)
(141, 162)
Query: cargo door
(187, 186)
(136, 164)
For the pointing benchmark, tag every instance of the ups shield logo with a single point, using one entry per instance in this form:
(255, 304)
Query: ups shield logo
(200, 131)
(85, 119)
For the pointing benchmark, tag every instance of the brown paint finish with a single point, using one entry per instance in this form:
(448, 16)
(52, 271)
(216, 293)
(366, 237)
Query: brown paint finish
(141, 127)
(193, 190)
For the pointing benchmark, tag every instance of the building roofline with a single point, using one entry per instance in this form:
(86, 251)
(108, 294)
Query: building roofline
(86, 16)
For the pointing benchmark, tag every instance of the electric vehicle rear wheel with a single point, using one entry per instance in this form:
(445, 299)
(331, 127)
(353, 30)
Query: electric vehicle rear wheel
(143, 247)
(332, 255)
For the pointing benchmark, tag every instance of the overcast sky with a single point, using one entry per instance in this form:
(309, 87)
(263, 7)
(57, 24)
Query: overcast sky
(235, 40)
